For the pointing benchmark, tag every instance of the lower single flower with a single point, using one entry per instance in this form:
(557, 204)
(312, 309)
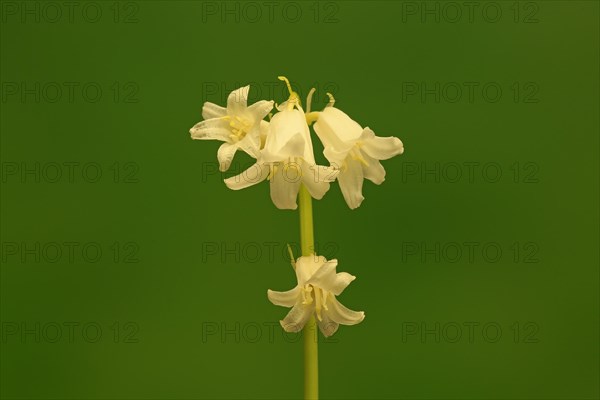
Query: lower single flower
(318, 285)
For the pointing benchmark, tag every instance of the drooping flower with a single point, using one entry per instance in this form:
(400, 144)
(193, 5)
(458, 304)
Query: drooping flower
(287, 159)
(355, 150)
(315, 294)
(238, 125)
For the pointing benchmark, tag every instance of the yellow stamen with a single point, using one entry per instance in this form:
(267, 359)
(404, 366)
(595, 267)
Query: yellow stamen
(287, 82)
(272, 172)
(292, 259)
(309, 99)
(356, 155)
(331, 100)
(325, 293)
(294, 98)
(306, 297)
(318, 303)
(311, 117)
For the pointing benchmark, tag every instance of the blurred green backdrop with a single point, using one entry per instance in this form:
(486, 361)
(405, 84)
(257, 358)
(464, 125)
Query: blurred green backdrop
(130, 271)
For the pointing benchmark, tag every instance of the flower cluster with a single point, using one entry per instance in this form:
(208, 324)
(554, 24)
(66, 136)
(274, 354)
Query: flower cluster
(283, 147)
(284, 156)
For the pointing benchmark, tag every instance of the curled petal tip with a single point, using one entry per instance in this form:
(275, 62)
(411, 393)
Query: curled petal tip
(290, 328)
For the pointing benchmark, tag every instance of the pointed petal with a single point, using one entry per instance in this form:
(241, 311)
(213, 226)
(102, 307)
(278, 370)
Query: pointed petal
(253, 175)
(251, 142)
(326, 272)
(285, 299)
(342, 315)
(328, 280)
(211, 129)
(375, 171)
(327, 326)
(237, 100)
(306, 266)
(212, 110)
(295, 320)
(316, 178)
(264, 132)
(380, 148)
(335, 156)
(284, 188)
(341, 282)
(351, 182)
(225, 155)
(260, 109)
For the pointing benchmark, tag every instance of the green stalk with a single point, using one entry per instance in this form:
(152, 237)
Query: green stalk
(311, 351)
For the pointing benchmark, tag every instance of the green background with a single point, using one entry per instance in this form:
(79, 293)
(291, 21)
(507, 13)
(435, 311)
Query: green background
(182, 304)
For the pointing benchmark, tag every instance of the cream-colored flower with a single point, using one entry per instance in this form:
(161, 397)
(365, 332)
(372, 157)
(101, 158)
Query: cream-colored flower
(287, 160)
(355, 150)
(238, 125)
(318, 284)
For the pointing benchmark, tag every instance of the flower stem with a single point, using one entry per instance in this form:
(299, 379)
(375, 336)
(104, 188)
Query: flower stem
(311, 353)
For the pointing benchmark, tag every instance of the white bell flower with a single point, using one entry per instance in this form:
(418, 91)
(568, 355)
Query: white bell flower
(318, 286)
(287, 160)
(355, 150)
(238, 125)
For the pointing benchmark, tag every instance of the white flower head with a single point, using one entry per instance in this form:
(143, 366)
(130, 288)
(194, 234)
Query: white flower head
(315, 294)
(238, 125)
(355, 150)
(287, 159)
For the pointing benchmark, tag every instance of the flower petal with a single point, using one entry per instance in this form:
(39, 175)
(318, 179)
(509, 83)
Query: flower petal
(251, 142)
(211, 129)
(316, 178)
(342, 315)
(260, 109)
(295, 320)
(351, 182)
(212, 110)
(225, 155)
(335, 128)
(327, 326)
(290, 137)
(256, 173)
(328, 280)
(380, 148)
(285, 299)
(375, 171)
(306, 266)
(264, 132)
(335, 156)
(237, 100)
(284, 187)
